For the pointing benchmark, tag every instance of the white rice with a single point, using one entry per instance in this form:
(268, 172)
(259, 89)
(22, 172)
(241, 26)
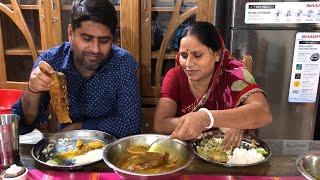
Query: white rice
(243, 156)
(91, 156)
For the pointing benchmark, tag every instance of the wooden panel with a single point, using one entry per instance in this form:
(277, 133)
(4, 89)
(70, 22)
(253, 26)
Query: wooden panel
(68, 8)
(55, 26)
(50, 23)
(14, 85)
(24, 6)
(16, 16)
(145, 64)
(18, 19)
(205, 10)
(3, 73)
(167, 9)
(175, 21)
(167, 55)
(147, 120)
(149, 100)
(21, 52)
(130, 28)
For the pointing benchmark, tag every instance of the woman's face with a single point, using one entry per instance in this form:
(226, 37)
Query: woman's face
(196, 59)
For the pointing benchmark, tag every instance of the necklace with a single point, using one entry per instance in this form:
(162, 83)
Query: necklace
(197, 92)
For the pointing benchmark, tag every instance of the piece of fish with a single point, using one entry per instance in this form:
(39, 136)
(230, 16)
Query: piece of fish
(147, 160)
(59, 97)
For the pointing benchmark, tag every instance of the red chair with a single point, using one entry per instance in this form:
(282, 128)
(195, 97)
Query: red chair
(7, 98)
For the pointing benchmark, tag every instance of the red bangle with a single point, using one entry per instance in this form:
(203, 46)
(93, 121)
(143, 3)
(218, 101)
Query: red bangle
(34, 92)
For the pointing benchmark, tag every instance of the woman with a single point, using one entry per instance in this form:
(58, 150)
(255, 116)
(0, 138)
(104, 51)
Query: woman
(208, 89)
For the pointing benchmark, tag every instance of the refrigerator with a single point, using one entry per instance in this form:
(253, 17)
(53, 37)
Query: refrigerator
(283, 38)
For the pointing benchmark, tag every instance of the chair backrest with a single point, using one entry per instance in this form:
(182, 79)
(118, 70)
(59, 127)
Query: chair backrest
(247, 61)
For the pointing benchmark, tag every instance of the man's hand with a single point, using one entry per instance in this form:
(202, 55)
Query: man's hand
(40, 78)
(190, 126)
(232, 137)
(72, 126)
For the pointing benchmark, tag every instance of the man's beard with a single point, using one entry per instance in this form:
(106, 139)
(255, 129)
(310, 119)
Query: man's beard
(86, 63)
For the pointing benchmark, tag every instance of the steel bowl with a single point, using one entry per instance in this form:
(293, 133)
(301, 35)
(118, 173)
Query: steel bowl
(308, 164)
(64, 141)
(117, 150)
(246, 143)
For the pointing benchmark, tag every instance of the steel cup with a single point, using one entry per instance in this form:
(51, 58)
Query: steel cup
(9, 139)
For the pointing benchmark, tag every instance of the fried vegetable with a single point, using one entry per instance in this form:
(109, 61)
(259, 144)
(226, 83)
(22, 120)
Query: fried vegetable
(262, 151)
(211, 148)
(95, 144)
(79, 143)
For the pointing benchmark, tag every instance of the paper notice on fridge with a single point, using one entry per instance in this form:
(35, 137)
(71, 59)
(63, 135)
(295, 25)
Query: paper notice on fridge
(282, 12)
(305, 68)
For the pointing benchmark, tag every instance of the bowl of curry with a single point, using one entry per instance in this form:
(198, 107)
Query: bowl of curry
(132, 158)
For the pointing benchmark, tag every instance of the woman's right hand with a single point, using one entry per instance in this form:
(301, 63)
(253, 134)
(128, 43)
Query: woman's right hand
(232, 137)
(190, 126)
(40, 78)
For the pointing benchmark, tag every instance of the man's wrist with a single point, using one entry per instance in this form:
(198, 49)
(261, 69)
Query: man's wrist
(32, 91)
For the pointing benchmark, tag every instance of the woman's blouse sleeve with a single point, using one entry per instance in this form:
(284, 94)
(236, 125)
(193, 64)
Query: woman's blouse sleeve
(169, 88)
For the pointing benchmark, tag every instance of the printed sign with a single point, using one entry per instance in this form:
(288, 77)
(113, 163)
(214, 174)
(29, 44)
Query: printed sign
(282, 12)
(305, 68)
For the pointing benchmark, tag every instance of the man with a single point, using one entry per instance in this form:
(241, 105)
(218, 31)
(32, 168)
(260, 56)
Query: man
(101, 81)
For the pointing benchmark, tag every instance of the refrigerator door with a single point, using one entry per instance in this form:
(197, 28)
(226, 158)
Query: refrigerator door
(272, 52)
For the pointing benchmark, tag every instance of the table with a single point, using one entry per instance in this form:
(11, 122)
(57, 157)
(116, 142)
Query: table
(280, 164)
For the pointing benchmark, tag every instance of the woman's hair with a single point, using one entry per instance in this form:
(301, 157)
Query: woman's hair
(100, 11)
(206, 33)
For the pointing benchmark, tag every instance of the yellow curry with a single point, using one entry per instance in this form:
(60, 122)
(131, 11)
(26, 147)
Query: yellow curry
(142, 161)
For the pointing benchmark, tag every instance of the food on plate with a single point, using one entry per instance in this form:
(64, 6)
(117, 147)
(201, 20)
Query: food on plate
(212, 149)
(13, 171)
(244, 156)
(83, 152)
(142, 161)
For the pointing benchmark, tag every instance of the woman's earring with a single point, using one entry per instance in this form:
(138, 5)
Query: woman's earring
(217, 59)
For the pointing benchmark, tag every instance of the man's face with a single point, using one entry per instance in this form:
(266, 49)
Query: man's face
(91, 44)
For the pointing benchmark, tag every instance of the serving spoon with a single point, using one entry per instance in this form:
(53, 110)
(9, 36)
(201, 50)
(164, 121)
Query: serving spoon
(160, 144)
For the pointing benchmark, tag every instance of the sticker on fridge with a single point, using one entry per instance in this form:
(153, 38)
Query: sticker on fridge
(282, 12)
(305, 68)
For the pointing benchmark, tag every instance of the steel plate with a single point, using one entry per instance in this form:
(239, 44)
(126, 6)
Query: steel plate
(65, 141)
(308, 165)
(246, 143)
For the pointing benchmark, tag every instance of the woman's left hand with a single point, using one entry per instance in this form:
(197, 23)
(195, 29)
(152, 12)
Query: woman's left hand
(190, 126)
(232, 137)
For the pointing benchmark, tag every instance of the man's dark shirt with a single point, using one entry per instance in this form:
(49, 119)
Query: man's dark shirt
(108, 101)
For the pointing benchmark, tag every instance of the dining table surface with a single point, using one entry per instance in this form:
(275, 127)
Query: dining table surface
(280, 164)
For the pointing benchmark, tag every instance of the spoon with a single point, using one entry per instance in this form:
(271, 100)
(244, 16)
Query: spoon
(155, 146)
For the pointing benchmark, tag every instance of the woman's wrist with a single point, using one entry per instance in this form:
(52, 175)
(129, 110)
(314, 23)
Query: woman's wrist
(211, 118)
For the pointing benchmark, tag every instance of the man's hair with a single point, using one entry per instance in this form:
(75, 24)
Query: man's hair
(100, 11)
